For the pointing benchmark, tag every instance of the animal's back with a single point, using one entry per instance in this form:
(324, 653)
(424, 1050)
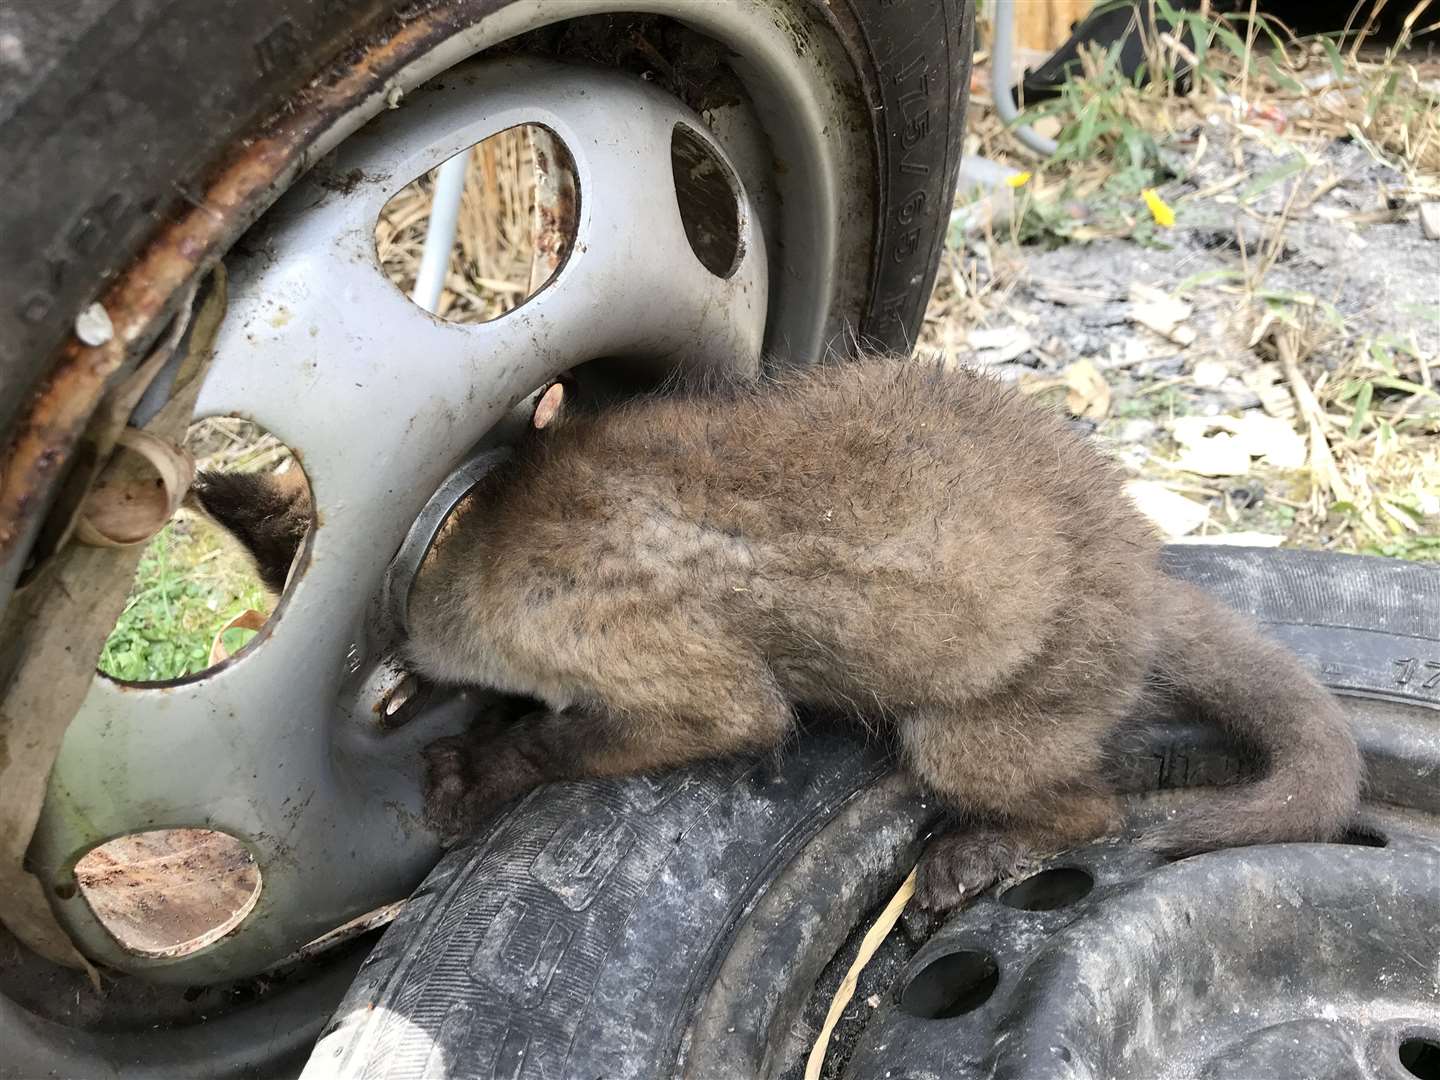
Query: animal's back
(885, 531)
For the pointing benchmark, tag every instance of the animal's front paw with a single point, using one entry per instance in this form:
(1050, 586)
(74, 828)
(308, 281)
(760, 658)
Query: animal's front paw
(957, 866)
(455, 803)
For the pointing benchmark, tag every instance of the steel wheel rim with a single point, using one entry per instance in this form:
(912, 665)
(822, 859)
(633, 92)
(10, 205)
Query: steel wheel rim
(71, 825)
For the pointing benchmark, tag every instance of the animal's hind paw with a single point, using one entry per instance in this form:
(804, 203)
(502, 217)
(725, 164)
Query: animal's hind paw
(957, 866)
(454, 807)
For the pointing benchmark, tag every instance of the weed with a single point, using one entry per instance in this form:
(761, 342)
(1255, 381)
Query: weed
(1415, 548)
(189, 584)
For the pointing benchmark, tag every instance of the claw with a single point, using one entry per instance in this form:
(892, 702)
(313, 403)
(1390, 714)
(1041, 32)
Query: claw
(957, 867)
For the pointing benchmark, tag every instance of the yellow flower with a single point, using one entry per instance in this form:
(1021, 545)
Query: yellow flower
(1163, 215)
(1019, 180)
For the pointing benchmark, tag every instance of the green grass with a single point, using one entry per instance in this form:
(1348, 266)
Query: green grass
(1414, 548)
(1164, 404)
(189, 584)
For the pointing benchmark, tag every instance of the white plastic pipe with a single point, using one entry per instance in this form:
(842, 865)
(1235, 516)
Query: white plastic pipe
(440, 235)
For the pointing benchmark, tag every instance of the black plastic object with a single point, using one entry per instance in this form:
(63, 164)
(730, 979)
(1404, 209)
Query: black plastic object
(1124, 26)
(696, 925)
(1121, 26)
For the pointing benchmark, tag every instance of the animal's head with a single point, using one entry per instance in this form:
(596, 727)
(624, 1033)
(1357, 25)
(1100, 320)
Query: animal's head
(269, 513)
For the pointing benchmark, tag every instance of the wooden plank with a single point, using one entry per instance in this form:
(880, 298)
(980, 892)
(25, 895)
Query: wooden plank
(1043, 25)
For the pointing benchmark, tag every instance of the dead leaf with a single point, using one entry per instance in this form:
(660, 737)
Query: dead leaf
(1219, 455)
(1267, 382)
(1089, 393)
(1172, 513)
(1048, 126)
(1208, 447)
(1224, 445)
(1133, 350)
(1272, 440)
(1430, 220)
(1000, 345)
(1157, 310)
(1068, 294)
(1209, 374)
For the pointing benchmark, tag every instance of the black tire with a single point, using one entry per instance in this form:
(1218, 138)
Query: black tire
(112, 114)
(583, 935)
(115, 116)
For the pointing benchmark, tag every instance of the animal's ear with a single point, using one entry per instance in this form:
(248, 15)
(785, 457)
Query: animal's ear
(547, 405)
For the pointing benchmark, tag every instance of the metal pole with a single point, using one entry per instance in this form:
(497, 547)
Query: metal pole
(1002, 53)
(440, 236)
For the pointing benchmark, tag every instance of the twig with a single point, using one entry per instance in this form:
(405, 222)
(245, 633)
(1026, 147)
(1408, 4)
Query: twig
(872, 940)
(1323, 471)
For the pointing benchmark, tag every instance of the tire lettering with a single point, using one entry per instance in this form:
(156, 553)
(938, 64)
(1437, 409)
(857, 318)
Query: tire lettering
(913, 107)
(906, 245)
(1412, 670)
(910, 207)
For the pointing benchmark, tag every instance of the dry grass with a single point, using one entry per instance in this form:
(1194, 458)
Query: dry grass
(1255, 71)
(1374, 428)
(495, 238)
(1365, 400)
(1254, 86)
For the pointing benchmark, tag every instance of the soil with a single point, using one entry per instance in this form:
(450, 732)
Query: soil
(170, 891)
(1333, 245)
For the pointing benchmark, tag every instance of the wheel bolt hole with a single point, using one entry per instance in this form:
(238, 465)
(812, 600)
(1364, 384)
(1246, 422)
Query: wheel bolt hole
(709, 201)
(209, 580)
(1049, 890)
(476, 237)
(1421, 1057)
(169, 892)
(951, 985)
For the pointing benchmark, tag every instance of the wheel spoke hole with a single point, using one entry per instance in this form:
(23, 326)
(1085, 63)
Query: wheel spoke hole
(169, 892)
(1049, 890)
(1364, 836)
(481, 234)
(1421, 1057)
(709, 201)
(951, 985)
(203, 591)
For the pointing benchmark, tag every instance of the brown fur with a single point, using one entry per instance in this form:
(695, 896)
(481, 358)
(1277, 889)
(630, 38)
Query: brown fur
(919, 548)
(269, 513)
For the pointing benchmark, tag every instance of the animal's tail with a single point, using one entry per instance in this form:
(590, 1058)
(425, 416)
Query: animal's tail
(269, 513)
(1218, 664)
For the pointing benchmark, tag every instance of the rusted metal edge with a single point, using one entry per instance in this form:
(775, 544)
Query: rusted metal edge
(240, 188)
